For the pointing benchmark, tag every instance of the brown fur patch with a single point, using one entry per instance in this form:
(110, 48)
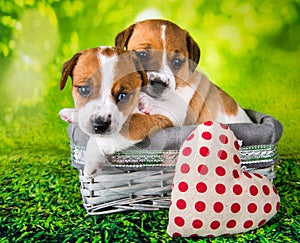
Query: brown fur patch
(139, 126)
(109, 51)
(204, 104)
(142, 37)
(86, 72)
(130, 85)
(229, 105)
(208, 101)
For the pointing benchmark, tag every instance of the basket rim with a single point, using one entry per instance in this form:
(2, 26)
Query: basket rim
(251, 156)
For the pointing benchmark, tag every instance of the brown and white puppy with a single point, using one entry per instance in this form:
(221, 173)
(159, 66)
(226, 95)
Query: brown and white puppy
(106, 85)
(169, 56)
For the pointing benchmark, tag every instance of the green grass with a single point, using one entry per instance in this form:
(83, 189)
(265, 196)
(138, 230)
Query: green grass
(40, 202)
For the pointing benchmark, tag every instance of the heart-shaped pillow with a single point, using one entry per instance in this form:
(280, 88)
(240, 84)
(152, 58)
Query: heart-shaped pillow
(211, 194)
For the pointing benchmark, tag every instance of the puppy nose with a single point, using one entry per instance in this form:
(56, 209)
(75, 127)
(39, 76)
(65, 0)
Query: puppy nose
(101, 124)
(158, 83)
(158, 86)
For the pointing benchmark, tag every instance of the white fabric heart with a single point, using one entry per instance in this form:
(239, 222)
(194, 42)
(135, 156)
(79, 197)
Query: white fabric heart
(211, 195)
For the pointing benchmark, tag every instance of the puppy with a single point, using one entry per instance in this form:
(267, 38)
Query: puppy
(106, 84)
(169, 56)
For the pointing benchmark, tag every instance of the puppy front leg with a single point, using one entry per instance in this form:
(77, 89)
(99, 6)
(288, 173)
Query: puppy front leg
(99, 147)
(139, 126)
(173, 107)
(94, 158)
(149, 105)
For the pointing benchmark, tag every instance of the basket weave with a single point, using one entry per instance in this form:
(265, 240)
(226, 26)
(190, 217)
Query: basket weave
(141, 179)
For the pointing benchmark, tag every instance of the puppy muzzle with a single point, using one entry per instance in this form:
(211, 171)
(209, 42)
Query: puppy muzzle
(101, 125)
(158, 84)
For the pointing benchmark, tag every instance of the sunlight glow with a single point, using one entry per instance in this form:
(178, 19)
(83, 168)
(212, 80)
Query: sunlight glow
(35, 43)
(149, 13)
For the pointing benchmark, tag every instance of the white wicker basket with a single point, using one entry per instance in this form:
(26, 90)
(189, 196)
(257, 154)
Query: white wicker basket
(141, 179)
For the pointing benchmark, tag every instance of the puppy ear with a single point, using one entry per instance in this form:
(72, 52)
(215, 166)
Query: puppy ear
(67, 70)
(144, 77)
(194, 52)
(140, 69)
(123, 37)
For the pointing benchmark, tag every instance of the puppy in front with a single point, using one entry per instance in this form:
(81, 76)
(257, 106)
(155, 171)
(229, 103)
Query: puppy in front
(175, 89)
(106, 84)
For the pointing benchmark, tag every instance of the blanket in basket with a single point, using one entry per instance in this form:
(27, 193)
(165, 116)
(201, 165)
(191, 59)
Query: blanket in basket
(259, 144)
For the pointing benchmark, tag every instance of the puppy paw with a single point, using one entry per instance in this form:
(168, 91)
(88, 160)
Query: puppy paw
(92, 171)
(68, 115)
(145, 103)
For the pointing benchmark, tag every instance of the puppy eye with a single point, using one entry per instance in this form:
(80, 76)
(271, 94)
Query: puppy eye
(177, 63)
(143, 55)
(123, 97)
(84, 90)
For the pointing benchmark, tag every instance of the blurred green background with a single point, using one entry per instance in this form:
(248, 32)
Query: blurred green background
(249, 48)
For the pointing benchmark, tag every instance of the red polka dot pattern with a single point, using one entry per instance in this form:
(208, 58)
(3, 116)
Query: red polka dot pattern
(237, 189)
(190, 137)
(187, 151)
(235, 208)
(185, 168)
(274, 189)
(267, 208)
(223, 139)
(200, 206)
(222, 154)
(218, 207)
(258, 175)
(208, 123)
(211, 195)
(202, 169)
(204, 151)
(179, 221)
(181, 204)
(231, 224)
(236, 159)
(236, 145)
(252, 208)
(220, 188)
(201, 187)
(253, 190)
(266, 190)
(277, 206)
(262, 222)
(183, 186)
(247, 174)
(248, 224)
(224, 126)
(220, 171)
(215, 225)
(206, 135)
(235, 174)
(197, 223)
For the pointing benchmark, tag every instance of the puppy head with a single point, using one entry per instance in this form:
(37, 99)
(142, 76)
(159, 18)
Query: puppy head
(106, 83)
(168, 53)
